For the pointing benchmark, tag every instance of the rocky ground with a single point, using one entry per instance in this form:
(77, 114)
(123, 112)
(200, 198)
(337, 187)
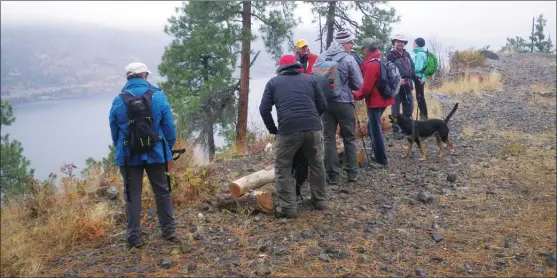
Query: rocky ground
(486, 210)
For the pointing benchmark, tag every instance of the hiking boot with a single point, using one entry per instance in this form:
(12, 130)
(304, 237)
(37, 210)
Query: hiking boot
(280, 213)
(353, 177)
(333, 180)
(173, 238)
(320, 206)
(137, 244)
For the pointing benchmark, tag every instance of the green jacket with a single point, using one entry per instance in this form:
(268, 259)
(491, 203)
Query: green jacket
(420, 62)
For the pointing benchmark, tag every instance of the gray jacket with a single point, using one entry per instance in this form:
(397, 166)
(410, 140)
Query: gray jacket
(350, 74)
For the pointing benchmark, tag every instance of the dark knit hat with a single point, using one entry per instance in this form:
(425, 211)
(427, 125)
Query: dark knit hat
(420, 42)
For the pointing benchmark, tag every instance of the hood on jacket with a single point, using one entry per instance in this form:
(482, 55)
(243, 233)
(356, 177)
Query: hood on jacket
(418, 49)
(289, 69)
(335, 49)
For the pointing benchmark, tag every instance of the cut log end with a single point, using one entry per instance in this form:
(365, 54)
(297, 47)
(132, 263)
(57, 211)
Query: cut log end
(235, 189)
(265, 201)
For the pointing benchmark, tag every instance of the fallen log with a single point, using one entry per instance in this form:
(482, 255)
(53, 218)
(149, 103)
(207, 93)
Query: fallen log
(255, 180)
(256, 200)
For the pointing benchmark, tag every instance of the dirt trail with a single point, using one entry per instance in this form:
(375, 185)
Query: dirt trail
(486, 210)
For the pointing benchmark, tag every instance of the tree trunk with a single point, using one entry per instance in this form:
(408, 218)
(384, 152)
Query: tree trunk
(242, 124)
(532, 37)
(210, 136)
(330, 22)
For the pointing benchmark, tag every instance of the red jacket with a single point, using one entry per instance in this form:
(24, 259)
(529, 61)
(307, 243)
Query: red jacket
(311, 60)
(369, 91)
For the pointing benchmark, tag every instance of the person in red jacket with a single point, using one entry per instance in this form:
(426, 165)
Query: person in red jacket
(375, 102)
(304, 56)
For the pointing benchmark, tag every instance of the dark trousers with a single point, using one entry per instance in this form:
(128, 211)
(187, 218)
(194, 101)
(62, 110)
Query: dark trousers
(420, 97)
(376, 134)
(343, 115)
(311, 144)
(405, 98)
(163, 199)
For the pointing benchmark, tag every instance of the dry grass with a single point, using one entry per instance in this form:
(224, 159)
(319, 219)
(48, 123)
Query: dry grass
(511, 198)
(471, 84)
(466, 59)
(47, 223)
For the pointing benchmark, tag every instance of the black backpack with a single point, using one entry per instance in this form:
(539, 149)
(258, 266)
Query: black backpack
(389, 83)
(141, 132)
(142, 135)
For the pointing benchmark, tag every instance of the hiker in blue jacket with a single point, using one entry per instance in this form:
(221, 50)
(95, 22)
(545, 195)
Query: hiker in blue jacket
(420, 62)
(153, 161)
(341, 110)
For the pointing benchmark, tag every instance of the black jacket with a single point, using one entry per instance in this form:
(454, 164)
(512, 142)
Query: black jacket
(405, 66)
(298, 99)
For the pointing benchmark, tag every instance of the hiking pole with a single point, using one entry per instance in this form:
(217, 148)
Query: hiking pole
(362, 137)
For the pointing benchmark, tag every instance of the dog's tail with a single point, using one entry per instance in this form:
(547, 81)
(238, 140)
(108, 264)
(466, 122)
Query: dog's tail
(452, 113)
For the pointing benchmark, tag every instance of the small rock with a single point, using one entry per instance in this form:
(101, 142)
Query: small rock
(70, 273)
(206, 240)
(501, 261)
(91, 262)
(539, 269)
(192, 267)
(451, 177)
(263, 270)
(436, 236)
(361, 249)
(280, 250)
(420, 272)
(362, 259)
(166, 263)
(112, 192)
(384, 268)
(257, 218)
(426, 197)
(313, 251)
(307, 234)
(324, 257)
(551, 260)
(436, 259)
(185, 248)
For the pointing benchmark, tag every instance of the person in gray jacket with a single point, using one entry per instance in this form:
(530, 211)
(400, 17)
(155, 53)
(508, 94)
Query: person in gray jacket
(342, 110)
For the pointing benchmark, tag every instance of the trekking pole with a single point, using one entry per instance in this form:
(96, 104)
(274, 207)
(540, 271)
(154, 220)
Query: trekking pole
(362, 137)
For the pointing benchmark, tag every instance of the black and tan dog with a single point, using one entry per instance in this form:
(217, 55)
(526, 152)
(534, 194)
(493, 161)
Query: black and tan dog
(416, 131)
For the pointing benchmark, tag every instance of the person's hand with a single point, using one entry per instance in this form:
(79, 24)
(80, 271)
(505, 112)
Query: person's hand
(402, 82)
(421, 81)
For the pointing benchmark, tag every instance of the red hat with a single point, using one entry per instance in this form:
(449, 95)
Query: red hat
(287, 59)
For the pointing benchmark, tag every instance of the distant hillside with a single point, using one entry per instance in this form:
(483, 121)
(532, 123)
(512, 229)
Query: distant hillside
(57, 61)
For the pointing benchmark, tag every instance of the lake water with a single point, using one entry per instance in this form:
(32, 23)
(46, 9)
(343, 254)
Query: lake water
(70, 131)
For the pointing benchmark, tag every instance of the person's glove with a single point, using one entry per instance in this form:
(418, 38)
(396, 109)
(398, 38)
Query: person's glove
(273, 131)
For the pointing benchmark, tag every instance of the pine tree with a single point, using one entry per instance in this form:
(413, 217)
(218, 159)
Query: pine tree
(276, 21)
(375, 21)
(14, 167)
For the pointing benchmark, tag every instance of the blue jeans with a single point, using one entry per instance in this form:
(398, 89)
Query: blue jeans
(405, 98)
(376, 134)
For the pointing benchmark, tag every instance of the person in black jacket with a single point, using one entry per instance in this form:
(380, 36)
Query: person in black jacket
(402, 60)
(299, 103)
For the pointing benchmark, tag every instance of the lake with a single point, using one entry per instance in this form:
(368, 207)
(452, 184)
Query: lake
(72, 130)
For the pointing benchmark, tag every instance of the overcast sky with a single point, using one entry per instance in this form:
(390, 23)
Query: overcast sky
(459, 24)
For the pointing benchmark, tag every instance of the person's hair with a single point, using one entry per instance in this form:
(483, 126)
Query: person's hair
(137, 75)
(372, 48)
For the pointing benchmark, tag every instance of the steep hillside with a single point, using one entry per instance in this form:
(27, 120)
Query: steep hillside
(54, 61)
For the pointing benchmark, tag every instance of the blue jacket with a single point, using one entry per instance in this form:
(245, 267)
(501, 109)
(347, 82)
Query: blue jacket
(162, 120)
(420, 62)
(349, 71)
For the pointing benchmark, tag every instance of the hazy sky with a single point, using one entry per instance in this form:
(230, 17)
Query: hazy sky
(461, 24)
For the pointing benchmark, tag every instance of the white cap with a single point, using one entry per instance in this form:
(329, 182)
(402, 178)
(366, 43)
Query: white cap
(135, 68)
(399, 38)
